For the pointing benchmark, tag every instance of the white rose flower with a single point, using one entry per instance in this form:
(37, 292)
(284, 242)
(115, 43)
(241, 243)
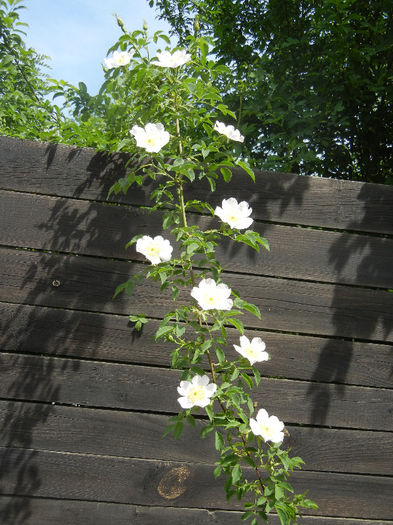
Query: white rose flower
(270, 428)
(156, 250)
(196, 392)
(118, 59)
(229, 131)
(235, 214)
(176, 59)
(254, 351)
(152, 137)
(212, 296)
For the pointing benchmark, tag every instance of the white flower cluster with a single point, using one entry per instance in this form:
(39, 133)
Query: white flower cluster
(209, 294)
(118, 59)
(199, 392)
(229, 131)
(176, 59)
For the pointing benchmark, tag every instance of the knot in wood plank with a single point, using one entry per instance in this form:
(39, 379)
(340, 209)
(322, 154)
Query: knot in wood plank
(172, 485)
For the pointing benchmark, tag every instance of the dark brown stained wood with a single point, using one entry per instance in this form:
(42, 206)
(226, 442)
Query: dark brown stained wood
(99, 229)
(139, 435)
(110, 337)
(84, 399)
(157, 483)
(97, 384)
(87, 283)
(42, 330)
(67, 171)
(68, 512)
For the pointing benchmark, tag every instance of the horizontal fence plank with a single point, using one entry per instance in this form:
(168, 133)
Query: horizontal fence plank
(87, 283)
(98, 229)
(112, 385)
(42, 330)
(82, 172)
(68, 512)
(139, 435)
(147, 482)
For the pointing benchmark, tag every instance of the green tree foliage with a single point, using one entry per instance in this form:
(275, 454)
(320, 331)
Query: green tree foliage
(25, 110)
(311, 81)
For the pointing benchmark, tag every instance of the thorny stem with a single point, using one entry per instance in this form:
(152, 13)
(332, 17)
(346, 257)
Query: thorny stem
(211, 364)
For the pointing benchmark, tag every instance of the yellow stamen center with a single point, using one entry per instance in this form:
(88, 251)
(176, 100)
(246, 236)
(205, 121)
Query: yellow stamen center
(250, 352)
(196, 393)
(153, 249)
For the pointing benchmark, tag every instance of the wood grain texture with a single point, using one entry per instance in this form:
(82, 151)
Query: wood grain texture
(42, 330)
(87, 283)
(26, 511)
(101, 457)
(93, 228)
(139, 435)
(112, 385)
(158, 483)
(55, 169)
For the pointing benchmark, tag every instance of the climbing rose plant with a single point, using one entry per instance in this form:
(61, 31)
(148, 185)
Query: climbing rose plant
(177, 141)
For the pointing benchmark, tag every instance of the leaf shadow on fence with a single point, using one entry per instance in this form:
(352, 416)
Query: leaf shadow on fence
(371, 265)
(44, 330)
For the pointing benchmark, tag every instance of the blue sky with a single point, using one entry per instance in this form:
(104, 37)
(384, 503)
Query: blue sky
(76, 34)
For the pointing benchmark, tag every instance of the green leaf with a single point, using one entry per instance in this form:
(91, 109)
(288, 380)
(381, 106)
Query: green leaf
(128, 286)
(206, 430)
(139, 321)
(257, 376)
(252, 308)
(278, 492)
(218, 441)
(217, 472)
(246, 168)
(190, 420)
(247, 379)
(192, 248)
(226, 173)
(250, 406)
(236, 474)
(209, 412)
(237, 324)
(163, 330)
(247, 515)
(134, 240)
(220, 354)
(178, 429)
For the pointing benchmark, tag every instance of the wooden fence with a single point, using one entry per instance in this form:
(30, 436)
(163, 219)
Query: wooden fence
(84, 399)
